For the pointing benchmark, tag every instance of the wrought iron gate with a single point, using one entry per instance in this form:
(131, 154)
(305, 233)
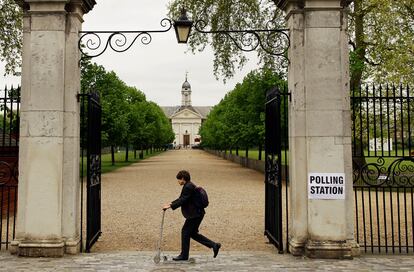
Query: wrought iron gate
(383, 167)
(9, 155)
(276, 172)
(91, 140)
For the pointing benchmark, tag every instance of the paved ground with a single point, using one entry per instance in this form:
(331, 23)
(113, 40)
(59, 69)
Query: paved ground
(132, 198)
(229, 261)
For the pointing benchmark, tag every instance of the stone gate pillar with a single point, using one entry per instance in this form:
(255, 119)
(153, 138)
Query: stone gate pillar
(320, 126)
(48, 215)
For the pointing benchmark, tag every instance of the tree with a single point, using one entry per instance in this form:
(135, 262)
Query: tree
(382, 49)
(381, 39)
(11, 36)
(238, 120)
(381, 35)
(234, 15)
(135, 115)
(128, 119)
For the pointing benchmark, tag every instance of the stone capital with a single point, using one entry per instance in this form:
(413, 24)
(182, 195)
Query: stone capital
(288, 5)
(291, 6)
(84, 5)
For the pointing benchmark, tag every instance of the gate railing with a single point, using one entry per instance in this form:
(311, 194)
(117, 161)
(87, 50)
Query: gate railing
(91, 143)
(383, 168)
(276, 166)
(9, 154)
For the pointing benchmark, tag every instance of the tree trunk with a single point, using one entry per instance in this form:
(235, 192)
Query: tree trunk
(113, 155)
(126, 152)
(360, 46)
(260, 152)
(357, 70)
(141, 153)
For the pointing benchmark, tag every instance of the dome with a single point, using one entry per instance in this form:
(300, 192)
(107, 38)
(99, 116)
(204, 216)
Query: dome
(186, 85)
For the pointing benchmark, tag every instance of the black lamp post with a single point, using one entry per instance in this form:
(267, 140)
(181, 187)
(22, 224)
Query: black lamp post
(183, 27)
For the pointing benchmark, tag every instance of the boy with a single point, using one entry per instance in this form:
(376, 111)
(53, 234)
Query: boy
(193, 217)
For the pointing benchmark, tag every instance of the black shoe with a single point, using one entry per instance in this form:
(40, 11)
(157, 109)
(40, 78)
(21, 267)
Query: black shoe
(180, 258)
(216, 249)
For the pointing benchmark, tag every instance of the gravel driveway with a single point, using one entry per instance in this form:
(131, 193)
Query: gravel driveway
(132, 198)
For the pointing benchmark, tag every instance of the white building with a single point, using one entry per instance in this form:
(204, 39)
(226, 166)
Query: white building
(186, 119)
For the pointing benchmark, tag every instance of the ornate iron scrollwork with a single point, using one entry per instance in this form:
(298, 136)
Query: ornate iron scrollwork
(95, 169)
(275, 42)
(272, 40)
(272, 170)
(399, 173)
(8, 173)
(91, 45)
(371, 174)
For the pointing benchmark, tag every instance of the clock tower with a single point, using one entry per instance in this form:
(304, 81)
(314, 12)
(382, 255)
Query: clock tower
(186, 93)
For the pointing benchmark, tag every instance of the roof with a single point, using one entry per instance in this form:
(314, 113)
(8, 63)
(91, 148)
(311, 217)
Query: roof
(203, 110)
(186, 85)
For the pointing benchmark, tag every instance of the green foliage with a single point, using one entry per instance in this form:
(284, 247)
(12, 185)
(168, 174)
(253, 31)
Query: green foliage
(230, 15)
(9, 116)
(382, 35)
(11, 36)
(106, 161)
(127, 117)
(238, 120)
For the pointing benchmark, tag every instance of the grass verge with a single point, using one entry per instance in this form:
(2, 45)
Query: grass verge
(106, 163)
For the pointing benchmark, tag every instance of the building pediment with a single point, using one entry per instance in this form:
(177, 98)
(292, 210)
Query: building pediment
(186, 114)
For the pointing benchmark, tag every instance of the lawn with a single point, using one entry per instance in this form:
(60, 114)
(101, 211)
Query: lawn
(106, 164)
(254, 154)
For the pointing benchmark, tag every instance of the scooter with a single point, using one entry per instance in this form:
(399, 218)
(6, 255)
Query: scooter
(165, 259)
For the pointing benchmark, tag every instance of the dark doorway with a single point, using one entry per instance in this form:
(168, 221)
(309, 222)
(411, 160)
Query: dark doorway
(186, 140)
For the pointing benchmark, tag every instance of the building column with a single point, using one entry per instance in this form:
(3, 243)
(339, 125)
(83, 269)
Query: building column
(180, 142)
(48, 215)
(319, 127)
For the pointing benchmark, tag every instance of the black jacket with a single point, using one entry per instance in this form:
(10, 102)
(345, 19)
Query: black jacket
(186, 202)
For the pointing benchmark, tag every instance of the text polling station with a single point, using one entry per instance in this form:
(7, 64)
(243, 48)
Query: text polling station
(326, 186)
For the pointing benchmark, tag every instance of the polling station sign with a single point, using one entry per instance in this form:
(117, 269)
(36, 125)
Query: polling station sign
(326, 186)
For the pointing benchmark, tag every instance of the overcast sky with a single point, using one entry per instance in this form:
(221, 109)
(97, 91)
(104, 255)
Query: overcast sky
(158, 69)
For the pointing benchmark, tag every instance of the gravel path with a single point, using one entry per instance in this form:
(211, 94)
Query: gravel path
(132, 198)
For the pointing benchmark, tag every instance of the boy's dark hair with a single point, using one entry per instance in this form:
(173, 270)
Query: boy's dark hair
(184, 174)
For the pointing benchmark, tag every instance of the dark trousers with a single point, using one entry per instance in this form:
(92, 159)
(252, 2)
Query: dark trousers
(190, 230)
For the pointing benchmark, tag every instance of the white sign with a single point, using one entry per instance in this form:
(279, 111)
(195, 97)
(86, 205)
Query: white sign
(326, 186)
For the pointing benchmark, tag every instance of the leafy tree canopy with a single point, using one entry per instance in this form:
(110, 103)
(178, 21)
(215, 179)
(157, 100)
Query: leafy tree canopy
(11, 25)
(381, 38)
(238, 120)
(127, 117)
(230, 15)
(381, 35)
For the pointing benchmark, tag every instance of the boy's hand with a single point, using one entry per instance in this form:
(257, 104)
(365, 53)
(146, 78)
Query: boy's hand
(166, 207)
